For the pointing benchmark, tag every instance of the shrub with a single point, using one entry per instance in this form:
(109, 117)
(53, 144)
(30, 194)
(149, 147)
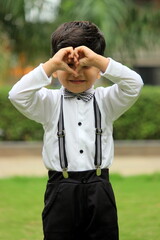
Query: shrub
(13, 125)
(142, 121)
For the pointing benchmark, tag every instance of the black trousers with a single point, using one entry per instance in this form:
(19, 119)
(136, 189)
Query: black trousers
(80, 207)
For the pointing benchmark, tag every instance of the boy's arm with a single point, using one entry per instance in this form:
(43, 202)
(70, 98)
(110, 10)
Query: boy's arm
(29, 95)
(121, 95)
(126, 90)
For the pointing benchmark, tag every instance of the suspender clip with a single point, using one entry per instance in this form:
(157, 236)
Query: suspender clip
(98, 171)
(99, 131)
(65, 173)
(61, 133)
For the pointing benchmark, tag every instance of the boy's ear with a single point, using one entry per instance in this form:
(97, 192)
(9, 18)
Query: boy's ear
(54, 74)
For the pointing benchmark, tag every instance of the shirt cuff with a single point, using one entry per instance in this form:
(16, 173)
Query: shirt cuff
(44, 75)
(113, 70)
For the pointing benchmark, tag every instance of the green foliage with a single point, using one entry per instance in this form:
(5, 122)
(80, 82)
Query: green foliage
(137, 201)
(141, 121)
(29, 37)
(5, 57)
(126, 25)
(13, 125)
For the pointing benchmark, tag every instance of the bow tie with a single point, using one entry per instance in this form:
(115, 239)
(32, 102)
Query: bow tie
(85, 96)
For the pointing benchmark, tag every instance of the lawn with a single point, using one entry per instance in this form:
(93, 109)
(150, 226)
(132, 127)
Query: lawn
(138, 201)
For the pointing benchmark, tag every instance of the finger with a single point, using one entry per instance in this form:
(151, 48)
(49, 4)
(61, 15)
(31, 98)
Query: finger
(70, 70)
(80, 65)
(76, 61)
(68, 53)
(78, 53)
(68, 56)
(81, 51)
(78, 69)
(83, 62)
(80, 48)
(71, 54)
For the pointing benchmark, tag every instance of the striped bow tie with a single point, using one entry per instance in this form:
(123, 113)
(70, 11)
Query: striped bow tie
(85, 96)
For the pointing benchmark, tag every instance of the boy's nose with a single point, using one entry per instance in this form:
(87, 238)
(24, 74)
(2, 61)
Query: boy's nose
(79, 74)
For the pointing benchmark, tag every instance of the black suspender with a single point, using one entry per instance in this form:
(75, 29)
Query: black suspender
(61, 140)
(98, 147)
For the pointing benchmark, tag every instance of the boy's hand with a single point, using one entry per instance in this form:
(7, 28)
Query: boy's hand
(61, 61)
(63, 58)
(85, 57)
(78, 58)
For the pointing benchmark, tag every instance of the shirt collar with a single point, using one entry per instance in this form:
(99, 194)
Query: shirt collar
(90, 90)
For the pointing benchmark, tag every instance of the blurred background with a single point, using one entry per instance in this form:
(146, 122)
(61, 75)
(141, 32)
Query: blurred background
(131, 29)
(132, 33)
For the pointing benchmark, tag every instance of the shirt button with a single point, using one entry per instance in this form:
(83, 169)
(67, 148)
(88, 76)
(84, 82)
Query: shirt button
(79, 123)
(81, 151)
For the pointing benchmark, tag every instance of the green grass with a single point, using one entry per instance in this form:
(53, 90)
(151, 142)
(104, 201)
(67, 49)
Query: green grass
(21, 203)
(138, 202)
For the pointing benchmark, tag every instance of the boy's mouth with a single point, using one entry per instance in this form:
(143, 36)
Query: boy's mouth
(77, 81)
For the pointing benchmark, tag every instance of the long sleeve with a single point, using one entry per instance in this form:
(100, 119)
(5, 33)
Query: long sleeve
(30, 96)
(34, 100)
(123, 93)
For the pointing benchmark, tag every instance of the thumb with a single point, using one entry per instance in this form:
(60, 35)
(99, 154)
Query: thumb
(70, 70)
(83, 62)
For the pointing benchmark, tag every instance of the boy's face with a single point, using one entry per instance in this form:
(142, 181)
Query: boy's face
(84, 81)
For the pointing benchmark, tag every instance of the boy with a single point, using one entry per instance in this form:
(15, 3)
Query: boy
(77, 122)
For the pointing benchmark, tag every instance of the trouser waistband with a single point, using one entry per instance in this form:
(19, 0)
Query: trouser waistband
(82, 176)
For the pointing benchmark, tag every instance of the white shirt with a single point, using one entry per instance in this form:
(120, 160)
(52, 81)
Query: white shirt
(38, 103)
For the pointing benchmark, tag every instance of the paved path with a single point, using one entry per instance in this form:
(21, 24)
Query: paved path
(24, 159)
(33, 165)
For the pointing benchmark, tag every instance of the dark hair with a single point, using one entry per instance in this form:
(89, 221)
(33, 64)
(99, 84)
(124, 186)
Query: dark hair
(78, 33)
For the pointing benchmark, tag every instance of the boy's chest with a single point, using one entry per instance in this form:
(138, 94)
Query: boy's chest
(79, 116)
(79, 124)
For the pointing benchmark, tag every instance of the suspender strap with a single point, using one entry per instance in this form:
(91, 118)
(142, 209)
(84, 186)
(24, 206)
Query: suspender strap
(61, 140)
(98, 145)
(98, 133)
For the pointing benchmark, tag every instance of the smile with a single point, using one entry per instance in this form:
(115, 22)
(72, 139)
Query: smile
(77, 81)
